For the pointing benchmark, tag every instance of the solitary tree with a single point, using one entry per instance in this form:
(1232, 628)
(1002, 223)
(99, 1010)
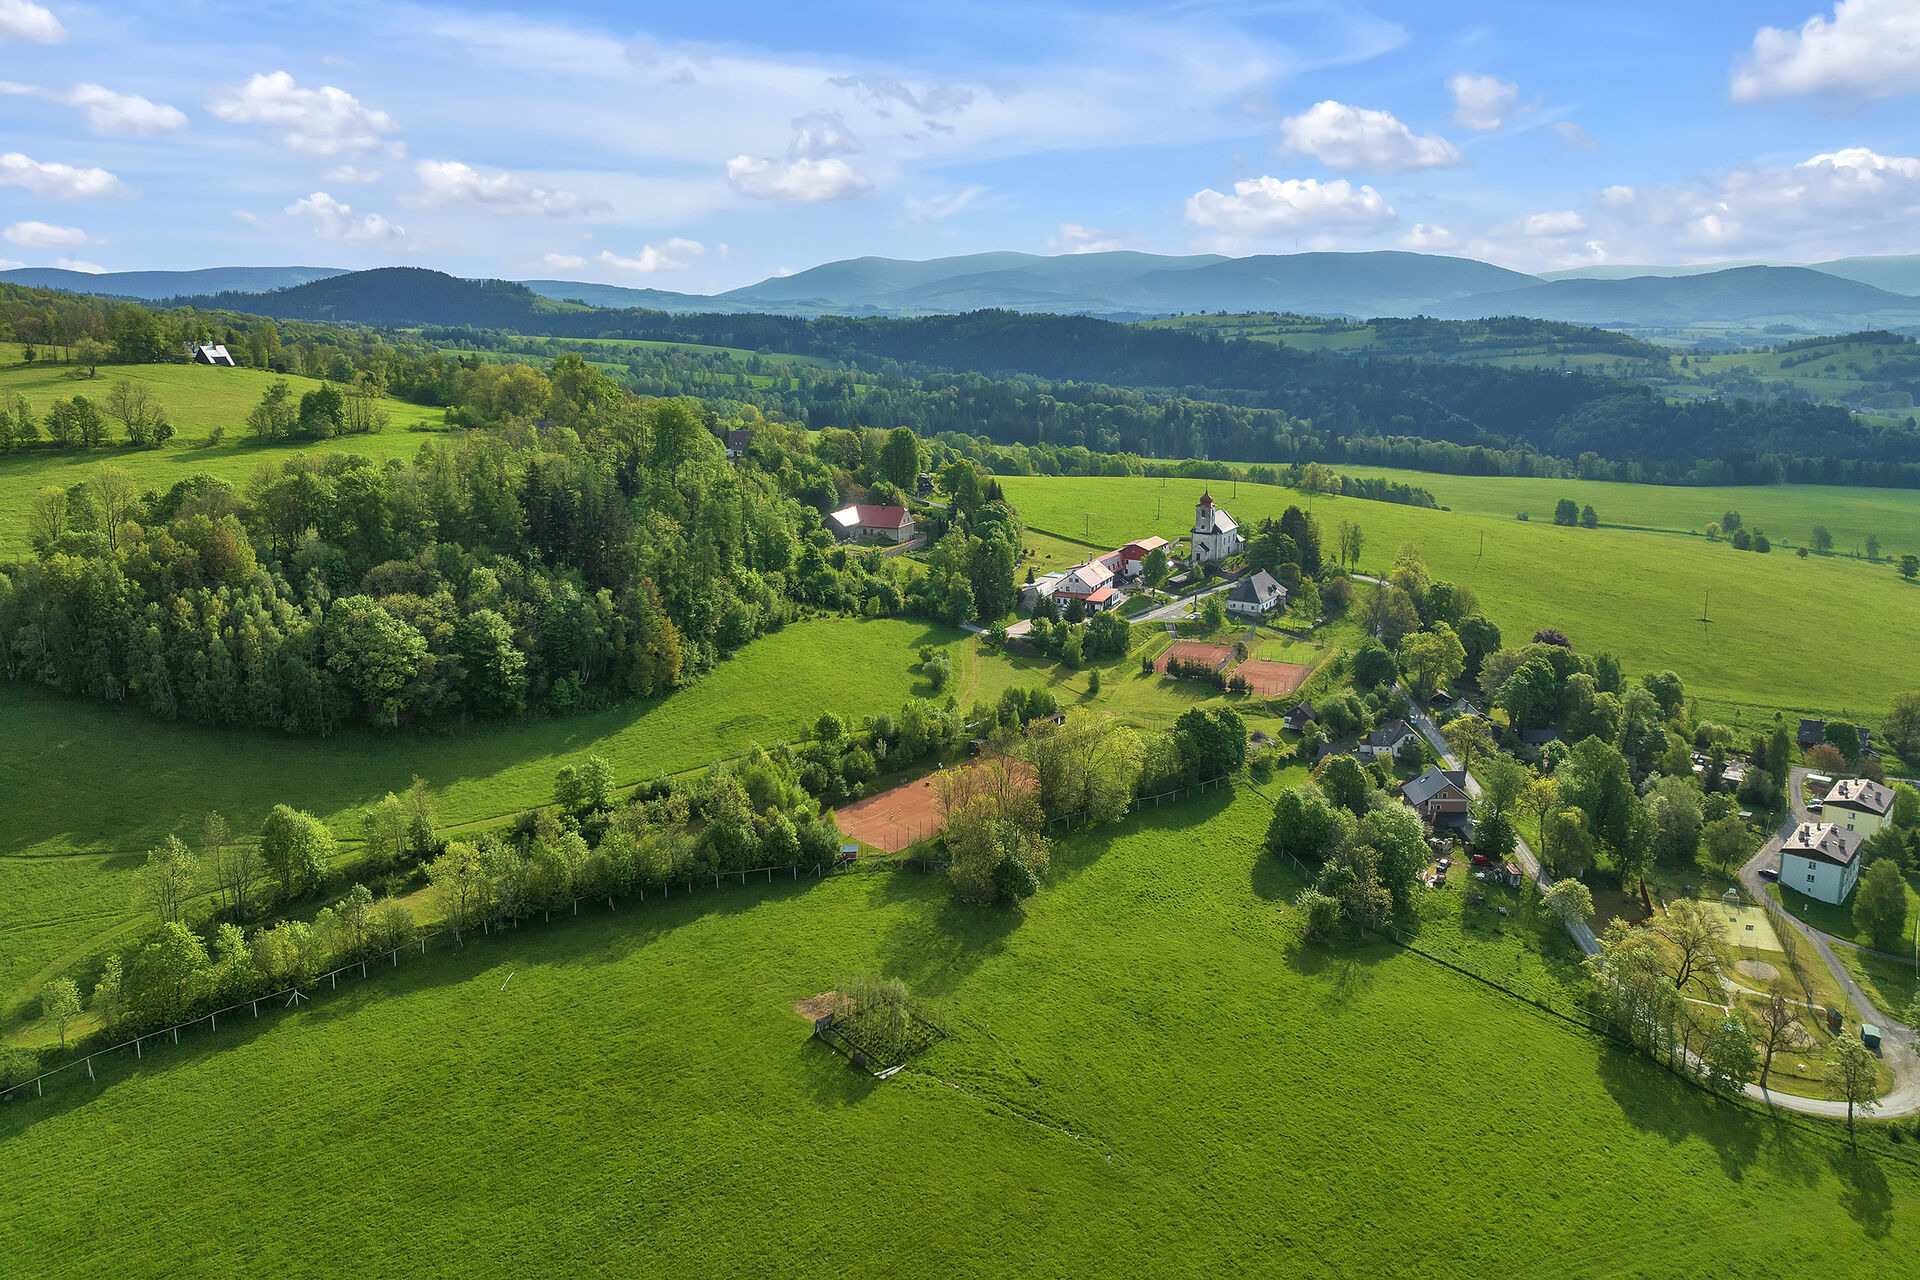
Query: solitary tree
(1850, 1070)
(60, 1004)
(1909, 566)
(1777, 1016)
(1568, 901)
(1880, 904)
(1693, 929)
(166, 882)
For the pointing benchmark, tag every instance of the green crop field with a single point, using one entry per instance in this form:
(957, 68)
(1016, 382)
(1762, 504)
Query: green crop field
(198, 398)
(1149, 1072)
(90, 788)
(1776, 618)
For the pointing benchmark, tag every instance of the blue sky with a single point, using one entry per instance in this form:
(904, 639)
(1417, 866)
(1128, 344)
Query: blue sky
(702, 147)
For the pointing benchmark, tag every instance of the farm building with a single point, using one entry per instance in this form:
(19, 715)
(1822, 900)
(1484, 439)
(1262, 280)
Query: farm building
(1439, 796)
(1215, 535)
(1256, 594)
(1860, 804)
(213, 353)
(1133, 556)
(863, 523)
(1821, 861)
(1387, 740)
(1041, 588)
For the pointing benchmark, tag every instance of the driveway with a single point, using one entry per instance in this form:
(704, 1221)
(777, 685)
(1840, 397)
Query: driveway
(1897, 1046)
(1578, 930)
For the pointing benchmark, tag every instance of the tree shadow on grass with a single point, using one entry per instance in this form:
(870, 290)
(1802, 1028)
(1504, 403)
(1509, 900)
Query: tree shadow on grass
(1864, 1192)
(934, 944)
(1653, 1100)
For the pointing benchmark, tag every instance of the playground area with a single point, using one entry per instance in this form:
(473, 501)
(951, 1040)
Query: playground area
(1212, 656)
(1268, 679)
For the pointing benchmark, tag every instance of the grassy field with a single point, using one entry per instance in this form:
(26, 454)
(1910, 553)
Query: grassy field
(1146, 1064)
(198, 398)
(66, 864)
(1638, 594)
(1786, 512)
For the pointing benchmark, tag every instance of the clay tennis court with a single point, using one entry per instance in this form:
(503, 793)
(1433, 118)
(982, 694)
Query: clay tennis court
(1215, 656)
(1272, 679)
(901, 816)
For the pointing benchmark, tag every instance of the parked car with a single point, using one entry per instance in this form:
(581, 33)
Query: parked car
(1482, 860)
(1815, 806)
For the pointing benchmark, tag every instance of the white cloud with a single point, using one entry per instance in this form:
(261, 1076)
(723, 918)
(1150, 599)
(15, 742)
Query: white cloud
(1075, 238)
(1267, 206)
(803, 180)
(936, 208)
(352, 173)
(23, 20)
(252, 219)
(563, 262)
(676, 254)
(79, 264)
(1480, 102)
(8, 264)
(1428, 235)
(1559, 222)
(317, 122)
(1869, 48)
(107, 112)
(451, 182)
(1574, 136)
(56, 181)
(44, 235)
(333, 220)
(1617, 195)
(1347, 139)
(823, 133)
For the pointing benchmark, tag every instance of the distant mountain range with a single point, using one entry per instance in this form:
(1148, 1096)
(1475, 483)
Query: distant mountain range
(1848, 294)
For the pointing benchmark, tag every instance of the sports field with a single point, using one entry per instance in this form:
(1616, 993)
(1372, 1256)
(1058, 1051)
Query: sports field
(1150, 1073)
(1775, 622)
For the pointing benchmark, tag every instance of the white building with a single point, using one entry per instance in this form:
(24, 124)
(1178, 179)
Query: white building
(1821, 861)
(1256, 594)
(1859, 804)
(1215, 535)
(213, 353)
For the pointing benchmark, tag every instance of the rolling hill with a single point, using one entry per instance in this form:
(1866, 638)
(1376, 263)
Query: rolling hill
(150, 286)
(1737, 296)
(396, 297)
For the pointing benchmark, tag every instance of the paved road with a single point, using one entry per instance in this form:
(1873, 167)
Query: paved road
(1578, 930)
(1897, 1045)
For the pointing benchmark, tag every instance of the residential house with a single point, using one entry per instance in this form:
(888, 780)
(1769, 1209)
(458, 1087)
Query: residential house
(1387, 741)
(737, 442)
(1215, 535)
(1256, 594)
(1133, 557)
(1041, 588)
(1821, 861)
(213, 353)
(1860, 804)
(863, 523)
(1812, 733)
(1299, 717)
(1439, 796)
(1090, 583)
(1539, 738)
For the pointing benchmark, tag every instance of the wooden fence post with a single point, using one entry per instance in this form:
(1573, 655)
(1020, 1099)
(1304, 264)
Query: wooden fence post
(90, 1074)
(136, 1048)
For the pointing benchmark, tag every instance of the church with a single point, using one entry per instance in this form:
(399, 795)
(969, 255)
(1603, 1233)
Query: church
(1215, 536)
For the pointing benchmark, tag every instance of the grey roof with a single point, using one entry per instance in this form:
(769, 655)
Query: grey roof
(1257, 588)
(1863, 794)
(1387, 735)
(1539, 737)
(1303, 712)
(1432, 783)
(1823, 842)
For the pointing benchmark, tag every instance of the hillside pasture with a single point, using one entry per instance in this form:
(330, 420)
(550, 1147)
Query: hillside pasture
(1774, 618)
(1139, 1057)
(90, 788)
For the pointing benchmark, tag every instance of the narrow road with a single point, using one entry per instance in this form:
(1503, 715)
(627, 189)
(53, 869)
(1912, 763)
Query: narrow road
(1578, 930)
(1897, 1047)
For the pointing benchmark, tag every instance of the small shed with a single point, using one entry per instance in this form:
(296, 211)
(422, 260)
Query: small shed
(1870, 1036)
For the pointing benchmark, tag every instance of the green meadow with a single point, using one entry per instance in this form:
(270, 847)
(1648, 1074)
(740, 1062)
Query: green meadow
(91, 788)
(1149, 1073)
(198, 398)
(1777, 621)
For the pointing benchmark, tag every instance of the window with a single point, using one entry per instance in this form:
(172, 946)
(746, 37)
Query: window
(1809, 877)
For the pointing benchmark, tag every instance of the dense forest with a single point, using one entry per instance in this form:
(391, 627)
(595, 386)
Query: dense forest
(588, 545)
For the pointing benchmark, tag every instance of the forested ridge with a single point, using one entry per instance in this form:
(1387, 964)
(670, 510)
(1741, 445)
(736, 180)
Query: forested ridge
(1164, 392)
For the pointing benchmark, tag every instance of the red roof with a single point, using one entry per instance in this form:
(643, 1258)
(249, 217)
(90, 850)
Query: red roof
(1142, 549)
(1101, 596)
(863, 516)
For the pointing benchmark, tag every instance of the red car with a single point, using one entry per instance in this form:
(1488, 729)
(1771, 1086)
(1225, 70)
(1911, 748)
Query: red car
(1482, 860)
